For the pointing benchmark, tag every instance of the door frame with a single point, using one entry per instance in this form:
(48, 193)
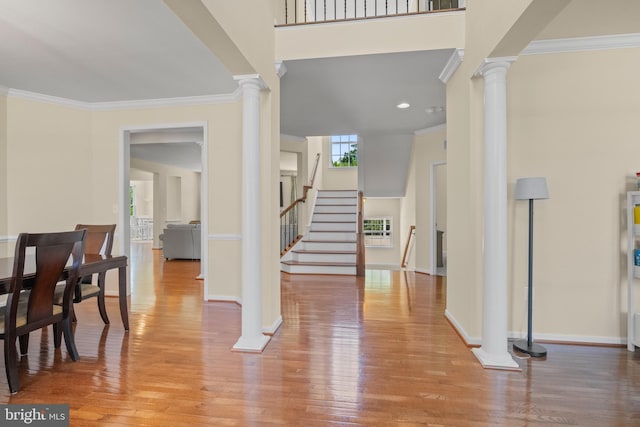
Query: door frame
(123, 205)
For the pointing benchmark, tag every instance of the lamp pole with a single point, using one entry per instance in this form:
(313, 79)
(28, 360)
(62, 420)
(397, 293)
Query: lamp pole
(528, 346)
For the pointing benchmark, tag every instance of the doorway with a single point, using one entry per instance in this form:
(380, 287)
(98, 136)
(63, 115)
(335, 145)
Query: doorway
(175, 137)
(438, 177)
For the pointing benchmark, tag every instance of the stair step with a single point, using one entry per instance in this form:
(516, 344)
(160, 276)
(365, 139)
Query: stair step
(325, 264)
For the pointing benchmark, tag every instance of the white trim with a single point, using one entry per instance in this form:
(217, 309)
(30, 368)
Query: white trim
(166, 102)
(558, 338)
(424, 271)
(582, 44)
(583, 339)
(8, 239)
(433, 189)
(125, 105)
(281, 69)
(33, 96)
(270, 330)
(123, 208)
(490, 63)
(248, 79)
(392, 267)
(292, 138)
(223, 298)
(431, 129)
(220, 236)
(452, 65)
(465, 337)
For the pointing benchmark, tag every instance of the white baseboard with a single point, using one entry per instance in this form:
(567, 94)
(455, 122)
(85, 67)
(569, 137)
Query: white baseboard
(273, 328)
(224, 298)
(395, 267)
(550, 338)
(465, 337)
(424, 271)
(578, 339)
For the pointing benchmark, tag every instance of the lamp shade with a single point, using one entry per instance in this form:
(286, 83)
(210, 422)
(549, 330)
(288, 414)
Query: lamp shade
(531, 188)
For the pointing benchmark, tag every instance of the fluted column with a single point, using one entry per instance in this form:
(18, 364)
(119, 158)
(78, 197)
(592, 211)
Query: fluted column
(494, 350)
(252, 339)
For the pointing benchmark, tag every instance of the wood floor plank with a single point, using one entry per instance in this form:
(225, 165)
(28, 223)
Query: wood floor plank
(351, 351)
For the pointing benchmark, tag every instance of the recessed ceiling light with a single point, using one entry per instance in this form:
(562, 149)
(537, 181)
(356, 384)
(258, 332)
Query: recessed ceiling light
(403, 105)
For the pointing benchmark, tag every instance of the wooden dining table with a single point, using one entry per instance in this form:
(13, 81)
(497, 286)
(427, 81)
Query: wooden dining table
(91, 264)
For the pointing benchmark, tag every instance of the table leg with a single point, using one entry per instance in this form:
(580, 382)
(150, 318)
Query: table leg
(122, 293)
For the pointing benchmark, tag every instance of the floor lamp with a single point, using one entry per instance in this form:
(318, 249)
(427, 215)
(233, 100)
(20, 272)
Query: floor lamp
(530, 189)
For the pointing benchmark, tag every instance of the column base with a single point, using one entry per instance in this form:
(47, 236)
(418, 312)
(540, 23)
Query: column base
(496, 361)
(255, 345)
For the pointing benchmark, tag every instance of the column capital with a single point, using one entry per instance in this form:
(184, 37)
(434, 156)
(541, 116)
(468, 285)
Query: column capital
(250, 80)
(490, 64)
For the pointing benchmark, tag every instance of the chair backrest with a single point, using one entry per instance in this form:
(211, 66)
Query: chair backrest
(52, 252)
(99, 238)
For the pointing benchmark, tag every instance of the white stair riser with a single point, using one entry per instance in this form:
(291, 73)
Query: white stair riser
(333, 235)
(334, 201)
(333, 226)
(335, 217)
(330, 193)
(315, 269)
(335, 209)
(319, 257)
(328, 246)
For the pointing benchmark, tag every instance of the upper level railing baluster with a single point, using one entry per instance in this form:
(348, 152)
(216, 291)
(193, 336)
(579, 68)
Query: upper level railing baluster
(327, 10)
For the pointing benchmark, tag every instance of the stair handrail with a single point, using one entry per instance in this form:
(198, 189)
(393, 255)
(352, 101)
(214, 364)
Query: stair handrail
(412, 229)
(360, 264)
(292, 238)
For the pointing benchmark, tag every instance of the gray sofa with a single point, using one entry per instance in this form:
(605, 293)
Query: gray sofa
(181, 241)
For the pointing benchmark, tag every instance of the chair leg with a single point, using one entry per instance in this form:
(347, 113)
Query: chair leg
(101, 307)
(24, 344)
(69, 339)
(11, 363)
(57, 335)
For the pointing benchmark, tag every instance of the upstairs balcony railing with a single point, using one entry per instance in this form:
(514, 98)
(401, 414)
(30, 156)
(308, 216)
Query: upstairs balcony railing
(310, 11)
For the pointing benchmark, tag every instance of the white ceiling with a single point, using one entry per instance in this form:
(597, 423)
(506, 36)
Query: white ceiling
(359, 94)
(119, 50)
(104, 50)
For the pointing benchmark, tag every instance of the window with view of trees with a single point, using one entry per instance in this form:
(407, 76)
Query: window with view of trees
(344, 151)
(377, 231)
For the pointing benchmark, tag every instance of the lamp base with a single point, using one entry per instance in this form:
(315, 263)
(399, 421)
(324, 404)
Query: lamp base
(534, 350)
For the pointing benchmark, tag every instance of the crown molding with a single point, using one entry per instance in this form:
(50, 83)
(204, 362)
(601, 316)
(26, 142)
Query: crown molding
(452, 65)
(126, 105)
(281, 69)
(431, 129)
(168, 102)
(582, 44)
(33, 96)
(292, 138)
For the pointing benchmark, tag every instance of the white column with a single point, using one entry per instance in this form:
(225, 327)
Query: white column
(252, 339)
(494, 350)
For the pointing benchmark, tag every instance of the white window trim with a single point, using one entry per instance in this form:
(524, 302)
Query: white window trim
(389, 234)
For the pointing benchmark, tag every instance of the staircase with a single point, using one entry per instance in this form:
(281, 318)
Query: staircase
(330, 245)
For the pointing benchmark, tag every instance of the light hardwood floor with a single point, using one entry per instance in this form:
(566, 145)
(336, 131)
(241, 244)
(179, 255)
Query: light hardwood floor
(375, 352)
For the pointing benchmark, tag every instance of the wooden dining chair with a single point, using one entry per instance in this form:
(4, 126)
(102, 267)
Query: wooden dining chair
(30, 303)
(99, 241)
